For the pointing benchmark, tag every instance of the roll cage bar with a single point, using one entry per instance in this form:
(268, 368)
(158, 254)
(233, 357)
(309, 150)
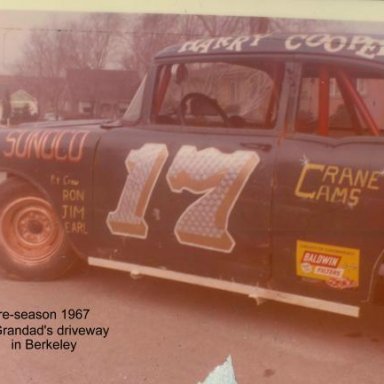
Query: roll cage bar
(351, 98)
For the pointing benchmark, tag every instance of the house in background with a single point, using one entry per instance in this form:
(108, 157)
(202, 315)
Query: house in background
(98, 92)
(21, 100)
(23, 105)
(83, 93)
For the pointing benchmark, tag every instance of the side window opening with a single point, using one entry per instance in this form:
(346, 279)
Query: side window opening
(217, 94)
(340, 102)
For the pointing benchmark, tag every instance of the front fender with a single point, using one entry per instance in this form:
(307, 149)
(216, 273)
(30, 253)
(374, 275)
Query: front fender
(60, 163)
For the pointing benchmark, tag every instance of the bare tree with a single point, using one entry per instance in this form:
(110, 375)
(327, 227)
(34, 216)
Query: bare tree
(50, 52)
(94, 40)
(152, 33)
(259, 25)
(43, 65)
(6, 107)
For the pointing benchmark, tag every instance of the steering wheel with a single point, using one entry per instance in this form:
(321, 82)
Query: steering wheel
(205, 100)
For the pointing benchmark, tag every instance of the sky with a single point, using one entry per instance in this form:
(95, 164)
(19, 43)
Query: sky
(16, 25)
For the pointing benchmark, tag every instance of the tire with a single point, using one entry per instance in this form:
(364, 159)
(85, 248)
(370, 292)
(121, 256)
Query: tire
(33, 243)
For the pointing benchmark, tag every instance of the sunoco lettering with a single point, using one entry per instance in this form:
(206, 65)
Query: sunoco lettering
(46, 144)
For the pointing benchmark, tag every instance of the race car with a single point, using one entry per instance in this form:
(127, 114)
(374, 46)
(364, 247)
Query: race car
(250, 164)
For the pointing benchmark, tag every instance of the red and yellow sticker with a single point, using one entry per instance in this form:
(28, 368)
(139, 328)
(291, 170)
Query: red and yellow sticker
(337, 266)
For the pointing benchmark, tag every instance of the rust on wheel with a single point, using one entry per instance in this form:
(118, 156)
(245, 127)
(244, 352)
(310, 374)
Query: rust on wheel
(30, 231)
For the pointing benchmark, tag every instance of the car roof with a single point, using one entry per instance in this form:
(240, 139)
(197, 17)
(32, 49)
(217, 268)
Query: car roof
(360, 46)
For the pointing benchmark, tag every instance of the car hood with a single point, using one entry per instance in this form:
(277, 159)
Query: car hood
(89, 124)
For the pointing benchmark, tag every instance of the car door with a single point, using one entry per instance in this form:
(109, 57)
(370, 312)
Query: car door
(328, 210)
(191, 190)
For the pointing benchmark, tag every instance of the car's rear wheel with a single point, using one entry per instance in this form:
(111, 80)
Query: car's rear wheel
(33, 244)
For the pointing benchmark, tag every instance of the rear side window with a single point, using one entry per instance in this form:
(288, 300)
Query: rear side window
(340, 101)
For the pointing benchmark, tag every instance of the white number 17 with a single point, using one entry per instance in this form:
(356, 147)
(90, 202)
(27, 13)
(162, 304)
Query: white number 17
(219, 177)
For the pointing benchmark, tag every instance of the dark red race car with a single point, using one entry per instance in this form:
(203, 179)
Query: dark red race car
(251, 164)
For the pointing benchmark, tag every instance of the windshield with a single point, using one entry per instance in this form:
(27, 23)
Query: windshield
(215, 94)
(133, 112)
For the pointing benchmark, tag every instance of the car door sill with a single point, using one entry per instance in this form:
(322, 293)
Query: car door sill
(258, 293)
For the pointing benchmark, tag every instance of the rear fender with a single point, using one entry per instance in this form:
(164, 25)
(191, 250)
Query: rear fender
(376, 288)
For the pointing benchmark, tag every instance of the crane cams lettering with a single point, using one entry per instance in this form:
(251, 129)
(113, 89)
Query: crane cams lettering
(46, 144)
(336, 184)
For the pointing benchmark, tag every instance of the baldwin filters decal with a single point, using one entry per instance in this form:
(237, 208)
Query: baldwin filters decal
(337, 266)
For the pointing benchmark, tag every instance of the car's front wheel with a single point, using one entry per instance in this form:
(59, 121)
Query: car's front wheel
(33, 244)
